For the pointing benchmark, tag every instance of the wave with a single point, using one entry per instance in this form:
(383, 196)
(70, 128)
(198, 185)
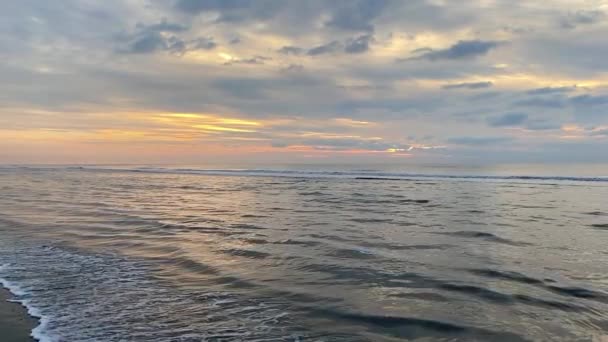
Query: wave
(484, 236)
(21, 295)
(362, 175)
(419, 328)
(66, 289)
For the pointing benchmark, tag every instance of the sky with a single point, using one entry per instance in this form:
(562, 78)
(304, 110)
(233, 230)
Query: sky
(196, 81)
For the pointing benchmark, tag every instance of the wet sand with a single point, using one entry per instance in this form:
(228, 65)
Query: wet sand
(15, 324)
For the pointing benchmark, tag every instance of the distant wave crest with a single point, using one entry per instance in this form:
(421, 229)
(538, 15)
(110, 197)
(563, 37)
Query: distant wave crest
(363, 175)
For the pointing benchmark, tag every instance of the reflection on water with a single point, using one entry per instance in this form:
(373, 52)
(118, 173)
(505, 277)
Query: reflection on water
(107, 255)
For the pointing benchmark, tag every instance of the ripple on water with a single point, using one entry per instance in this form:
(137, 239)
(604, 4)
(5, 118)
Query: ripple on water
(417, 328)
(262, 259)
(600, 226)
(247, 253)
(471, 234)
(596, 213)
(347, 253)
(427, 296)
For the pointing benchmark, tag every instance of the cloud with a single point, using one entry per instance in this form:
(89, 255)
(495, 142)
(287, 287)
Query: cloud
(479, 141)
(324, 49)
(162, 37)
(508, 120)
(356, 15)
(359, 44)
(542, 125)
(351, 46)
(486, 95)
(150, 42)
(252, 60)
(232, 10)
(463, 49)
(256, 92)
(292, 68)
(574, 19)
(249, 89)
(291, 50)
(198, 6)
(329, 59)
(422, 50)
(203, 43)
(551, 90)
(552, 102)
(468, 85)
(589, 100)
(147, 43)
(574, 52)
(603, 132)
(163, 26)
(326, 142)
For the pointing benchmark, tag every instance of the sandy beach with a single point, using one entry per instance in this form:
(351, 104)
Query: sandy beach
(15, 324)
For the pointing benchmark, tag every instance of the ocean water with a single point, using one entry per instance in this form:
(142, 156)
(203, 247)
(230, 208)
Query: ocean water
(190, 254)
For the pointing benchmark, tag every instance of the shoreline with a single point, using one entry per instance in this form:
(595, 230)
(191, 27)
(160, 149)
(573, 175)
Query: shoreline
(16, 324)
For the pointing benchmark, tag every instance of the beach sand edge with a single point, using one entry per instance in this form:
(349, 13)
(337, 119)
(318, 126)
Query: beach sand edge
(15, 323)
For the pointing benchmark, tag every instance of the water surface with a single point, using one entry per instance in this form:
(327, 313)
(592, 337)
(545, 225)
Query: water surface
(165, 254)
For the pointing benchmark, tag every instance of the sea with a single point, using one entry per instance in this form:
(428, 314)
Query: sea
(295, 253)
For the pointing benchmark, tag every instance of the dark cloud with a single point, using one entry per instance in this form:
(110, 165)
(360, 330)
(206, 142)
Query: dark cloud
(542, 125)
(589, 100)
(232, 10)
(550, 90)
(147, 43)
(204, 43)
(397, 105)
(250, 89)
(574, 54)
(365, 87)
(176, 45)
(508, 120)
(351, 46)
(151, 42)
(292, 68)
(463, 49)
(485, 96)
(551, 102)
(291, 50)
(517, 30)
(324, 49)
(197, 6)
(479, 141)
(149, 38)
(468, 85)
(163, 36)
(359, 44)
(163, 26)
(575, 19)
(261, 88)
(355, 15)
